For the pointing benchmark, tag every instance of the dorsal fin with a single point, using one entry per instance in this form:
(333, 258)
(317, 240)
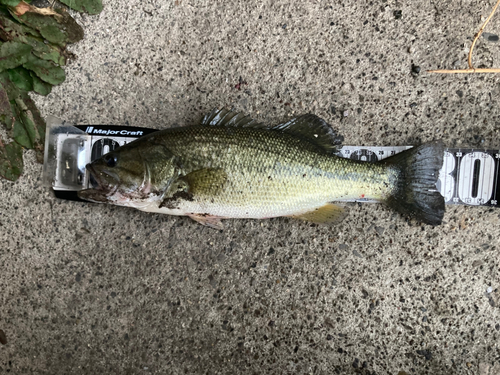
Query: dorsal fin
(313, 129)
(308, 127)
(227, 117)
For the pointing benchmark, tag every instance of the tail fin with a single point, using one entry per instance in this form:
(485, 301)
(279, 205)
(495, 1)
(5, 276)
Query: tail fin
(415, 193)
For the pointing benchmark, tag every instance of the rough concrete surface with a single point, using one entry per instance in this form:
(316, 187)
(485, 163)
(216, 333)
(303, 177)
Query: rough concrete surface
(95, 289)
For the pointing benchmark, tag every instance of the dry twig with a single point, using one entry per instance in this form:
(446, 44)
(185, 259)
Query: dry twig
(471, 68)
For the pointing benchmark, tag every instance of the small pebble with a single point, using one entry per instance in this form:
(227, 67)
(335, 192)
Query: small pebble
(490, 37)
(355, 364)
(398, 14)
(355, 252)
(489, 290)
(427, 354)
(415, 69)
(3, 338)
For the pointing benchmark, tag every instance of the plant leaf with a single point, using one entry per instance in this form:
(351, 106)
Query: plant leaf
(11, 3)
(22, 134)
(11, 160)
(53, 34)
(46, 25)
(21, 78)
(45, 70)
(21, 8)
(46, 51)
(87, 6)
(6, 116)
(39, 86)
(31, 116)
(60, 28)
(13, 54)
(24, 121)
(73, 30)
(10, 30)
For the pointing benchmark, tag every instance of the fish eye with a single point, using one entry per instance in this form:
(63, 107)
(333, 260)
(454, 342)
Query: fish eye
(110, 160)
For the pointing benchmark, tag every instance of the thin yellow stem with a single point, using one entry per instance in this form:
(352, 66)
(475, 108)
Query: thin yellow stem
(469, 59)
(458, 71)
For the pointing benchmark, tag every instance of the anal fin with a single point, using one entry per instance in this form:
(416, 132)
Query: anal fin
(327, 214)
(210, 221)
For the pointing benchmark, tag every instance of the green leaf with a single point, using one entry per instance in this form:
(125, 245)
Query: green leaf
(59, 29)
(53, 34)
(23, 133)
(6, 115)
(73, 29)
(21, 33)
(39, 86)
(24, 121)
(46, 51)
(51, 54)
(11, 3)
(21, 78)
(13, 54)
(11, 161)
(11, 30)
(45, 70)
(46, 25)
(9, 92)
(87, 6)
(31, 116)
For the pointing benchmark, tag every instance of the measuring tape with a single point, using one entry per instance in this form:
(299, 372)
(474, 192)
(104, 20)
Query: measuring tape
(468, 176)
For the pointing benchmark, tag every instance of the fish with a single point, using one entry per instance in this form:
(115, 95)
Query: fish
(231, 166)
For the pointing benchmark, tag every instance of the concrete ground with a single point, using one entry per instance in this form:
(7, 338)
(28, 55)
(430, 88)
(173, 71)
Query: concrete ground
(95, 289)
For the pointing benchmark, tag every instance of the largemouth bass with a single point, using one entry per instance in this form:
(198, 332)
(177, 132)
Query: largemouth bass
(230, 166)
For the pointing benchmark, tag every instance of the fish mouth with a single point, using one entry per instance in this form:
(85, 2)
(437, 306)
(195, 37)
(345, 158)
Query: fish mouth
(95, 179)
(100, 188)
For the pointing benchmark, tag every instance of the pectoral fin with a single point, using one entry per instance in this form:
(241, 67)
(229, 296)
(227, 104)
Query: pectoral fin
(208, 181)
(202, 182)
(327, 214)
